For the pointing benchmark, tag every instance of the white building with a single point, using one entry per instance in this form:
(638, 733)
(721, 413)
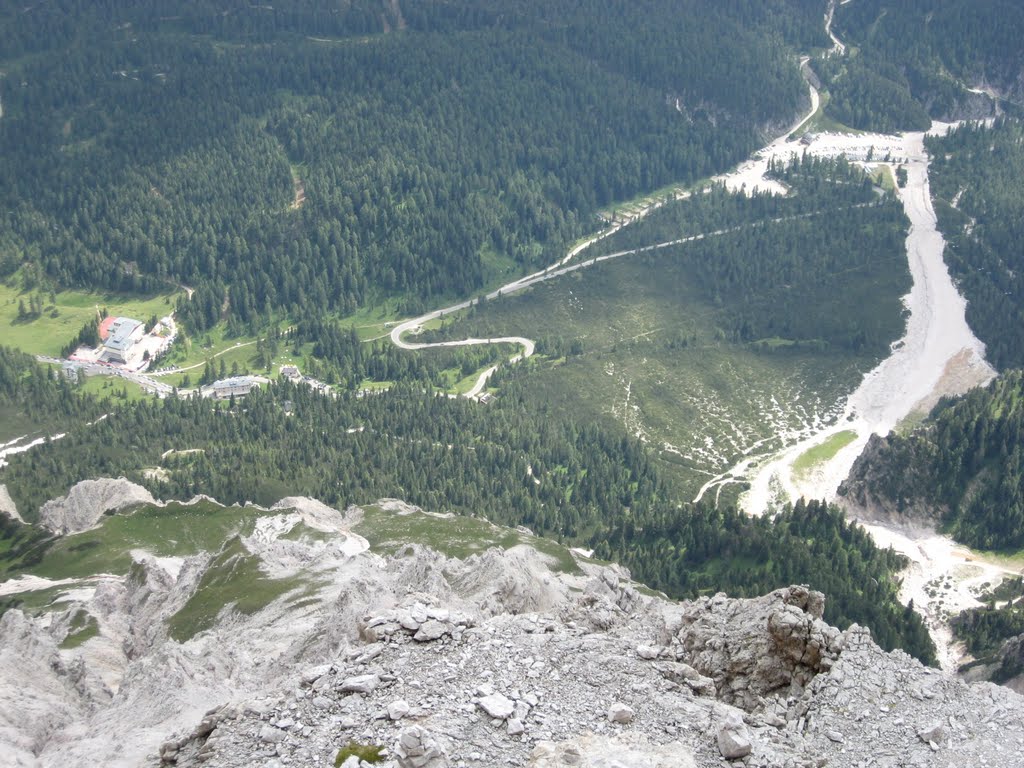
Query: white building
(122, 334)
(237, 386)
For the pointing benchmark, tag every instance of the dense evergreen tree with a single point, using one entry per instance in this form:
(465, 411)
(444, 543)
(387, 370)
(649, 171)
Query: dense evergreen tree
(511, 463)
(151, 148)
(965, 466)
(977, 179)
(911, 61)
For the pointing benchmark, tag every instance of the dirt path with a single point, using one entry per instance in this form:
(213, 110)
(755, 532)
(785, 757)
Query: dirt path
(300, 191)
(171, 371)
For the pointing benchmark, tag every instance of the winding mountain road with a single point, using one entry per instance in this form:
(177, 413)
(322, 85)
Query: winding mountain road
(756, 166)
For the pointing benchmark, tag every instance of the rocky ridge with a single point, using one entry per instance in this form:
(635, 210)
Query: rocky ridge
(87, 501)
(545, 690)
(495, 659)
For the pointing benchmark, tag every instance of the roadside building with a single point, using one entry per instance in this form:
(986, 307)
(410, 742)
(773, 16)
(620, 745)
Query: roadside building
(291, 372)
(122, 333)
(236, 386)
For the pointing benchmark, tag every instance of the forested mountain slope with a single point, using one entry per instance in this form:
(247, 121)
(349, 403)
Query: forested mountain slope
(909, 62)
(963, 468)
(977, 182)
(318, 156)
(742, 319)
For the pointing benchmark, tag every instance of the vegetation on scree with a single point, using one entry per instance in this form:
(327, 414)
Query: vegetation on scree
(965, 463)
(369, 753)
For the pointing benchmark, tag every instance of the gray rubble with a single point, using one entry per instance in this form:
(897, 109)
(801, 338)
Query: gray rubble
(497, 659)
(87, 502)
(759, 683)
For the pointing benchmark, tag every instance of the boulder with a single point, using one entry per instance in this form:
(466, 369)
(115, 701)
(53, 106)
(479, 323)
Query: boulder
(775, 644)
(360, 684)
(417, 748)
(733, 737)
(430, 630)
(498, 706)
(271, 735)
(398, 709)
(620, 713)
(934, 733)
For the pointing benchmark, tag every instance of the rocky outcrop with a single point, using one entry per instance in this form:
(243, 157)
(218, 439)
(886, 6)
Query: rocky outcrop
(435, 661)
(41, 692)
(774, 644)
(1005, 667)
(88, 501)
(884, 484)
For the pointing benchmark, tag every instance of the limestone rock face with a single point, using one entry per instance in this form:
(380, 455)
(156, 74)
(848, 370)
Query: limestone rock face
(518, 664)
(86, 502)
(752, 648)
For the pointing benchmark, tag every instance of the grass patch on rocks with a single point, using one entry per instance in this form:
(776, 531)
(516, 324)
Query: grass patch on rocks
(234, 579)
(823, 452)
(389, 530)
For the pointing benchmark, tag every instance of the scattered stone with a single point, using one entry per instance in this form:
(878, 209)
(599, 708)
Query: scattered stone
(271, 735)
(417, 748)
(620, 713)
(497, 706)
(528, 682)
(431, 629)
(360, 684)
(933, 733)
(398, 709)
(733, 737)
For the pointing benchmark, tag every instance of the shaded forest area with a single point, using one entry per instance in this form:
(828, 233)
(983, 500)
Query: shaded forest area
(908, 62)
(824, 266)
(977, 181)
(965, 464)
(508, 462)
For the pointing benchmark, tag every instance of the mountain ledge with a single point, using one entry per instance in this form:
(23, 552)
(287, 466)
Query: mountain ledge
(508, 656)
